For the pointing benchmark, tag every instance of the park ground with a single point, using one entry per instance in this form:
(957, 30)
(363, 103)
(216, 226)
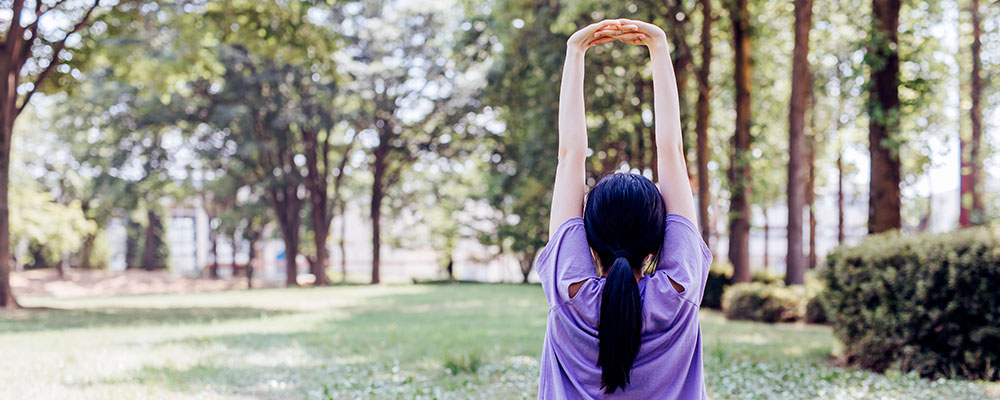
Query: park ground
(447, 341)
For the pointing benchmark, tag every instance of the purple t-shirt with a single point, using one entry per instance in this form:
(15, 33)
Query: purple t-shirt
(668, 365)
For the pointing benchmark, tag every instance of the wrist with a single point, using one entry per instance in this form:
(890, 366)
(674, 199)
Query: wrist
(659, 45)
(575, 51)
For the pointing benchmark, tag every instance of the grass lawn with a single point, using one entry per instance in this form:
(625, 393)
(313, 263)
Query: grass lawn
(388, 342)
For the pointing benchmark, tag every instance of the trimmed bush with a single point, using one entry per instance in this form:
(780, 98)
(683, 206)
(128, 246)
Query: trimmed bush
(719, 277)
(758, 301)
(815, 313)
(928, 303)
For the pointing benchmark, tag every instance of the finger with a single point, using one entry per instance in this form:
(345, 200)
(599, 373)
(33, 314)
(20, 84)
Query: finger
(602, 24)
(606, 32)
(630, 28)
(629, 37)
(601, 41)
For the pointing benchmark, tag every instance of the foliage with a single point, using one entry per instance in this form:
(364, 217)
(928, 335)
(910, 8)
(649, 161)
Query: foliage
(36, 219)
(719, 278)
(924, 303)
(758, 301)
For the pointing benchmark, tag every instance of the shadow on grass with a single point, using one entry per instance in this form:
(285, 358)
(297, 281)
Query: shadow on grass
(57, 319)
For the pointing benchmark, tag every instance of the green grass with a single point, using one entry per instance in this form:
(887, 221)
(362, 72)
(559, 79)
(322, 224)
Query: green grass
(410, 342)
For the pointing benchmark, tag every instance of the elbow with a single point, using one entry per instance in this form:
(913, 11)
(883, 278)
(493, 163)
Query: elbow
(571, 155)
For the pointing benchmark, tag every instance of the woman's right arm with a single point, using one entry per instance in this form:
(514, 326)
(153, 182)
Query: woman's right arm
(671, 165)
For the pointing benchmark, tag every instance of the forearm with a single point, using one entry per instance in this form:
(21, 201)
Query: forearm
(572, 116)
(671, 166)
(666, 104)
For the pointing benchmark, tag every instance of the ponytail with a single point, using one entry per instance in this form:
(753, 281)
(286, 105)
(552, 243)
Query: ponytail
(620, 329)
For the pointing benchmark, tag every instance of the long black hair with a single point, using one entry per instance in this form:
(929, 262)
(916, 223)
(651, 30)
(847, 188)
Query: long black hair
(625, 218)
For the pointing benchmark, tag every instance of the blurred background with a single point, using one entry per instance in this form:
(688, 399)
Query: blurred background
(313, 142)
(190, 145)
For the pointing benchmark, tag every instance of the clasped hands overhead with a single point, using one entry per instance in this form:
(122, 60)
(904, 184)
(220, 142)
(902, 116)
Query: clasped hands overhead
(622, 30)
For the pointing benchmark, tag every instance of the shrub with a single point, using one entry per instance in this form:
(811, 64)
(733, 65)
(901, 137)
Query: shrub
(719, 277)
(815, 314)
(758, 301)
(926, 303)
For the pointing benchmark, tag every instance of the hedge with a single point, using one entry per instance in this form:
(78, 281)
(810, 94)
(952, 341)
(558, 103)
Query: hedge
(928, 303)
(719, 277)
(758, 301)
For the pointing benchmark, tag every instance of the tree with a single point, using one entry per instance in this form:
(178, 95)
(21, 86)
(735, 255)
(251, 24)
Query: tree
(884, 199)
(739, 168)
(972, 210)
(801, 86)
(702, 119)
(24, 40)
(383, 70)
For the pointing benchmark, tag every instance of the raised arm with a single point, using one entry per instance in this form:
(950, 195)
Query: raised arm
(670, 163)
(567, 194)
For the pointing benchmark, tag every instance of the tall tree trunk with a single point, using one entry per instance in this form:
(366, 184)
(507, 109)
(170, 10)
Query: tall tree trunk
(883, 108)
(972, 208)
(801, 85)
(149, 248)
(14, 53)
(739, 169)
(319, 199)
(702, 119)
(8, 112)
(379, 167)
(287, 206)
(840, 194)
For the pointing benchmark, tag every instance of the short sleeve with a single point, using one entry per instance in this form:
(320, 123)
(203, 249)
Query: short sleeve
(685, 257)
(566, 259)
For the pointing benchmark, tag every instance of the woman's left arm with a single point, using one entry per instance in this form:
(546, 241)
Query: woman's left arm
(567, 194)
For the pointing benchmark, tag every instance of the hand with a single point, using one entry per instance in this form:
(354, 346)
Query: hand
(633, 32)
(588, 35)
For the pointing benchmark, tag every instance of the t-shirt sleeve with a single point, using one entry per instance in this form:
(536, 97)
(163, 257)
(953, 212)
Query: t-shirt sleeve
(685, 257)
(566, 259)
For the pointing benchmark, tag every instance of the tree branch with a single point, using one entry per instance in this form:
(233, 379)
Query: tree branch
(55, 53)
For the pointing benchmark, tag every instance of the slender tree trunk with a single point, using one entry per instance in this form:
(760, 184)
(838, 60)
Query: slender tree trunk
(883, 108)
(739, 169)
(291, 254)
(972, 208)
(8, 111)
(149, 249)
(840, 195)
(801, 85)
(251, 261)
(341, 243)
(213, 270)
(322, 256)
(702, 119)
(381, 154)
